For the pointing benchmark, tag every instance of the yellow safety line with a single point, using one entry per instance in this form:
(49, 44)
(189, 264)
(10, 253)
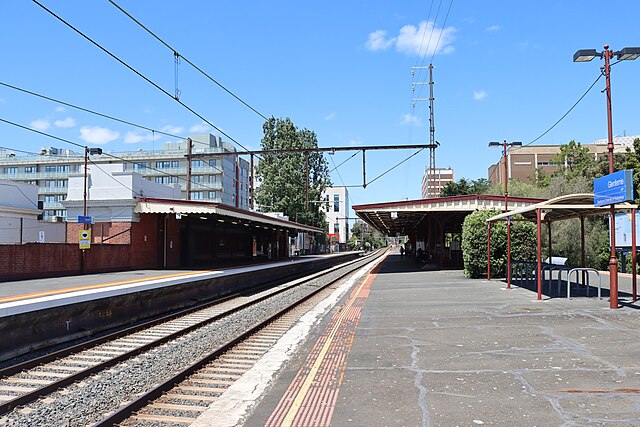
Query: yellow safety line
(95, 286)
(304, 390)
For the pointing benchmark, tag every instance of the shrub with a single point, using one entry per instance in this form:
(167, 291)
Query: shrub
(474, 244)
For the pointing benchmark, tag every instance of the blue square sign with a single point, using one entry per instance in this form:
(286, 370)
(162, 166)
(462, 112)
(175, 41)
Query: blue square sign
(613, 188)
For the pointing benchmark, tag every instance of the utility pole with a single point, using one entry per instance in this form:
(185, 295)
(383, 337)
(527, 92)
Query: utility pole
(433, 144)
(189, 150)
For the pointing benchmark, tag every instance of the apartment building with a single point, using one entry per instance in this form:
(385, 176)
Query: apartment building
(336, 205)
(434, 180)
(214, 177)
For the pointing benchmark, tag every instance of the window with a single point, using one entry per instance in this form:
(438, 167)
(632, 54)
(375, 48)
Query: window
(214, 179)
(61, 183)
(197, 163)
(50, 183)
(11, 170)
(336, 228)
(197, 178)
(60, 197)
(50, 168)
(197, 195)
(31, 169)
(49, 199)
(63, 168)
(31, 181)
(162, 179)
(212, 194)
(213, 163)
(163, 165)
(336, 203)
(140, 165)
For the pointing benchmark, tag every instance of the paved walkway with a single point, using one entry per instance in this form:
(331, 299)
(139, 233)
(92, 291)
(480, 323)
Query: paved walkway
(431, 348)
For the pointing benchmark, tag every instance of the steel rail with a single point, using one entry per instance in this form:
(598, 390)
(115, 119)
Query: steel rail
(126, 411)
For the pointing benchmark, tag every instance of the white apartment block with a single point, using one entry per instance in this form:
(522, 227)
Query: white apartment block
(336, 205)
(214, 177)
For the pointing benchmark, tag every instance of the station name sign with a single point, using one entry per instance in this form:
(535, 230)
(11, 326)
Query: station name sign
(613, 188)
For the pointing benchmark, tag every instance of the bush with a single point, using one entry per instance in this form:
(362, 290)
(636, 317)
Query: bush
(474, 244)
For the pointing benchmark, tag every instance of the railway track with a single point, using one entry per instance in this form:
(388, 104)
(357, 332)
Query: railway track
(24, 384)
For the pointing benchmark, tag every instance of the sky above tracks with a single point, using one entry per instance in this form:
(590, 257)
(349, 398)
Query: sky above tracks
(503, 70)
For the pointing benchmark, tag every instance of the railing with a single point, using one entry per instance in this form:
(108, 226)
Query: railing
(588, 270)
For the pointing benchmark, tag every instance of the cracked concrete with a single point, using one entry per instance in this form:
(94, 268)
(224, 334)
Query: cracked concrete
(436, 349)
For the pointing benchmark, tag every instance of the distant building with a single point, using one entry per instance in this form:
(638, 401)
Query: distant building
(523, 162)
(336, 206)
(215, 178)
(19, 212)
(434, 180)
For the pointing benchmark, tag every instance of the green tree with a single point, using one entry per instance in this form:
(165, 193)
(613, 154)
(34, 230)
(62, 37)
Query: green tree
(283, 177)
(363, 236)
(464, 186)
(576, 161)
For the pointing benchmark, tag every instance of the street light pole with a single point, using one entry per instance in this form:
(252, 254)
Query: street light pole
(506, 200)
(585, 55)
(613, 258)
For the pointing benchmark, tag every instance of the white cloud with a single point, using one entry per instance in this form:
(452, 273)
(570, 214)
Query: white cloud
(172, 129)
(410, 119)
(40, 124)
(377, 41)
(60, 109)
(135, 137)
(199, 128)
(425, 40)
(97, 135)
(330, 116)
(479, 95)
(69, 122)
(493, 28)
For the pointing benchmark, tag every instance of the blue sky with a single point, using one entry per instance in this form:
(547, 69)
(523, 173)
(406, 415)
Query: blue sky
(503, 69)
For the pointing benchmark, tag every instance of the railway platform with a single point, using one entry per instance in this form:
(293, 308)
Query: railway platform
(39, 312)
(408, 347)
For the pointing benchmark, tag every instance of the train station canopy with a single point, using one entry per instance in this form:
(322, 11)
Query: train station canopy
(563, 207)
(221, 211)
(403, 217)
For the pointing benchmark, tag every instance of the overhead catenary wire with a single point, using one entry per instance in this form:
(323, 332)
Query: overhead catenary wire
(87, 110)
(441, 31)
(563, 116)
(395, 166)
(138, 73)
(178, 55)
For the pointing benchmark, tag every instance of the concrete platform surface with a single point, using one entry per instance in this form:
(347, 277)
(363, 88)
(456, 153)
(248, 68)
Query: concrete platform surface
(432, 348)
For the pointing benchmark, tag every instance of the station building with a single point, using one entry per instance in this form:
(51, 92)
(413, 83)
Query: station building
(433, 225)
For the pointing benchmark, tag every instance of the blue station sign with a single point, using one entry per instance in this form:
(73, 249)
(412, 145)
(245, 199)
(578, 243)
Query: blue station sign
(85, 219)
(613, 188)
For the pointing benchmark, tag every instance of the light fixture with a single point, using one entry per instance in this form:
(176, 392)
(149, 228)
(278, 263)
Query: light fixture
(585, 55)
(203, 217)
(629, 53)
(221, 220)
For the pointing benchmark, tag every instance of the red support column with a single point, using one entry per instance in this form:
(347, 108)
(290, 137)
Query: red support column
(539, 228)
(488, 251)
(634, 295)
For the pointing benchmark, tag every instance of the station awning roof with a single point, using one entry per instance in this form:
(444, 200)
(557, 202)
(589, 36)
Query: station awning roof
(563, 207)
(402, 217)
(186, 207)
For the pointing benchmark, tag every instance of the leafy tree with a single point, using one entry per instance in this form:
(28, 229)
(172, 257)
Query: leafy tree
(576, 161)
(631, 160)
(464, 186)
(363, 236)
(284, 178)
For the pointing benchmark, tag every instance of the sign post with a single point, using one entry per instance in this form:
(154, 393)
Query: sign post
(614, 188)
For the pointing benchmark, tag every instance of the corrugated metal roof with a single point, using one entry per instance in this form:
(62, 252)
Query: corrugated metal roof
(166, 206)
